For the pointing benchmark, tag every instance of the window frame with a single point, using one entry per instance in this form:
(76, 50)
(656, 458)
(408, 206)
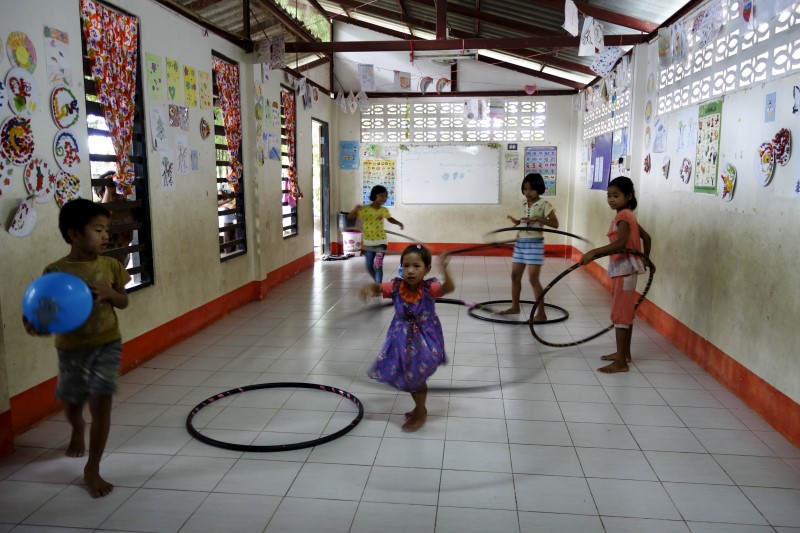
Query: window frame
(292, 229)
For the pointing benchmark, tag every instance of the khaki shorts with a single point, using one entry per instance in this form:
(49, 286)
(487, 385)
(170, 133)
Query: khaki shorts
(89, 372)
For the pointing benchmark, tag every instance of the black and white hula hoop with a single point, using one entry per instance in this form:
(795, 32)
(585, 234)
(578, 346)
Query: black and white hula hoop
(275, 447)
(575, 267)
(545, 230)
(485, 306)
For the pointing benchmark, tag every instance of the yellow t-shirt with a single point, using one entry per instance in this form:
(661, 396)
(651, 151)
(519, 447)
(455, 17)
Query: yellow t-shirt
(540, 208)
(102, 326)
(372, 224)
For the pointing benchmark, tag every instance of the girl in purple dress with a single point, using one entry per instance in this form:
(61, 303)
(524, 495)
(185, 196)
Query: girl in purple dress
(414, 346)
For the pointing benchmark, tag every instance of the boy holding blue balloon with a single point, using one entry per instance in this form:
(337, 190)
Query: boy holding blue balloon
(89, 356)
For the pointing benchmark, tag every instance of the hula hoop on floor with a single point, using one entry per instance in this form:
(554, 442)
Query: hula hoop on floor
(275, 447)
(485, 306)
(545, 230)
(575, 267)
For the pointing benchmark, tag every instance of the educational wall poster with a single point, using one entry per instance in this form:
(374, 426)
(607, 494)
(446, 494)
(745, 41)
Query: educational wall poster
(601, 159)
(708, 129)
(348, 155)
(56, 48)
(378, 172)
(544, 160)
(154, 77)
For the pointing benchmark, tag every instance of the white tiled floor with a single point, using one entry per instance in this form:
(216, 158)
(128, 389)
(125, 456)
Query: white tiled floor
(520, 437)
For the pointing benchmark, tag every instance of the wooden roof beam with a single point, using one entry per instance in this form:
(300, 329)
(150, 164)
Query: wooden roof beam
(289, 22)
(606, 15)
(441, 19)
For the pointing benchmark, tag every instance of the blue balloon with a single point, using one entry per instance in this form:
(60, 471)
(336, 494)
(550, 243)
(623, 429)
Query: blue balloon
(57, 302)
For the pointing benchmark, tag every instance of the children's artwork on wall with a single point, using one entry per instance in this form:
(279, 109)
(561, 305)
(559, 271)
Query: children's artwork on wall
(665, 167)
(680, 42)
(3, 96)
(16, 140)
(56, 52)
(39, 180)
(686, 170)
(601, 159)
(205, 128)
(183, 117)
(154, 77)
(66, 151)
(158, 128)
(20, 51)
(543, 160)
(204, 87)
(23, 91)
(659, 137)
(647, 164)
(24, 219)
(181, 154)
(68, 188)
(707, 24)
(261, 149)
(166, 159)
(64, 107)
(195, 160)
(648, 111)
(651, 84)
(348, 155)
(764, 164)
(647, 138)
(727, 182)
(687, 130)
(605, 60)
(174, 91)
(174, 116)
(6, 174)
(796, 96)
(664, 48)
(796, 178)
(276, 114)
(190, 85)
(378, 172)
(769, 107)
(274, 147)
(782, 146)
(709, 125)
(511, 160)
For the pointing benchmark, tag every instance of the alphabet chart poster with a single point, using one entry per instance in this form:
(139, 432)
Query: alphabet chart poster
(378, 172)
(707, 161)
(543, 160)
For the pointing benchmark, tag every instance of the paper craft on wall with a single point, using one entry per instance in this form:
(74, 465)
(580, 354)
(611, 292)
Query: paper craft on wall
(24, 219)
(708, 128)
(158, 128)
(659, 137)
(727, 182)
(769, 108)
(66, 151)
(174, 87)
(606, 60)
(680, 42)
(183, 117)
(664, 48)
(165, 159)
(378, 172)
(68, 188)
(3, 95)
(174, 116)
(665, 167)
(56, 52)
(190, 85)
(6, 174)
(39, 180)
(782, 145)
(273, 146)
(16, 140)
(543, 160)
(64, 107)
(764, 164)
(707, 24)
(204, 85)
(348, 155)
(796, 96)
(154, 77)
(23, 91)
(21, 51)
(181, 154)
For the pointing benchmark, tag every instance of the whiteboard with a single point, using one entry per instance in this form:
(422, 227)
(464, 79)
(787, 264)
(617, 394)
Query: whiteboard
(450, 174)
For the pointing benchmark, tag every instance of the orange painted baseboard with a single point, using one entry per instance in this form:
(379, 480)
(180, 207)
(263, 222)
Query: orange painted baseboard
(6, 434)
(37, 403)
(780, 411)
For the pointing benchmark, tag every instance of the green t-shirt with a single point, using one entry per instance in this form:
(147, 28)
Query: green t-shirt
(372, 224)
(102, 326)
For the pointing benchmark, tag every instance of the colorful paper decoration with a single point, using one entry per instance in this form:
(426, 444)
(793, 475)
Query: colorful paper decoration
(424, 83)
(727, 182)
(647, 164)
(16, 140)
(686, 170)
(23, 91)
(665, 167)
(782, 146)
(352, 102)
(205, 129)
(190, 85)
(604, 61)
(764, 164)
(39, 180)
(204, 81)
(154, 77)
(158, 128)
(441, 83)
(64, 107)
(66, 151)
(6, 173)
(174, 91)
(21, 51)
(402, 80)
(56, 53)
(24, 219)
(68, 188)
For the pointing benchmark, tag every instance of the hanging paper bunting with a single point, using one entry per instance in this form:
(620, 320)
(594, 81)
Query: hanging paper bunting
(605, 60)
(441, 83)
(424, 83)
(277, 57)
(363, 102)
(352, 103)
(402, 81)
(571, 18)
(366, 77)
(706, 25)
(586, 47)
(341, 102)
(664, 47)
(680, 42)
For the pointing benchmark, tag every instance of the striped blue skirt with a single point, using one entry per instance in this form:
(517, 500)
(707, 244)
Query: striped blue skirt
(529, 251)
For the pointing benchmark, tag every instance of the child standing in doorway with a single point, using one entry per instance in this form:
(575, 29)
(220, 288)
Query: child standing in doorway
(89, 357)
(625, 233)
(374, 237)
(414, 346)
(529, 247)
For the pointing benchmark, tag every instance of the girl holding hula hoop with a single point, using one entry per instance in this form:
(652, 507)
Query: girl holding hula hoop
(624, 233)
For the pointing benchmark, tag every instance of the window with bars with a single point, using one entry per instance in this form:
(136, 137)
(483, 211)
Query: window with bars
(131, 239)
(230, 202)
(514, 120)
(288, 161)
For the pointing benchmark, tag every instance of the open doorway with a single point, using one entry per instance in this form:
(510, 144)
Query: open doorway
(321, 187)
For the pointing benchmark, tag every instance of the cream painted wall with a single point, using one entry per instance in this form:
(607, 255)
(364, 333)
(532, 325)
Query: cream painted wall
(725, 270)
(188, 273)
(469, 223)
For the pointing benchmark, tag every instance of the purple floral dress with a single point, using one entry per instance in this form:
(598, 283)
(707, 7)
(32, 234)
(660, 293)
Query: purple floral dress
(414, 346)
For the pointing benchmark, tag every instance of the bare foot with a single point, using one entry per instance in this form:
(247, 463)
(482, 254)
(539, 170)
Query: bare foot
(415, 421)
(614, 367)
(613, 357)
(410, 414)
(98, 487)
(539, 318)
(76, 446)
(509, 311)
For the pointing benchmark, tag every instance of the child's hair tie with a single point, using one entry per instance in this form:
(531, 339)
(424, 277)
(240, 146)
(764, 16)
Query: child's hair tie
(419, 247)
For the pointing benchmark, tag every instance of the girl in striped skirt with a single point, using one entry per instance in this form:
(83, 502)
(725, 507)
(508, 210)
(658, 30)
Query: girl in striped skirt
(529, 248)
